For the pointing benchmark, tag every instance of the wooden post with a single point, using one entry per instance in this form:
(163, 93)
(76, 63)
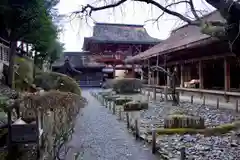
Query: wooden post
(182, 154)
(191, 99)
(127, 116)
(182, 75)
(149, 73)
(148, 96)
(142, 74)
(236, 105)
(226, 77)
(109, 104)
(157, 78)
(120, 114)
(136, 129)
(133, 71)
(154, 94)
(217, 103)
(203, 100)
(114, 107)
(200, 71)
(114, 70)
(154, 141)
(168, 78)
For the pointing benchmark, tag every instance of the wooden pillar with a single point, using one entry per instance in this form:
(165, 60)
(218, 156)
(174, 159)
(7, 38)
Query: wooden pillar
(182, 75)
(168, 78)
(114, 70)
(157, 79)
(200, 72)
(133, 71)
(142, 74)
(226, 75)
(27, 49)
(149, 73)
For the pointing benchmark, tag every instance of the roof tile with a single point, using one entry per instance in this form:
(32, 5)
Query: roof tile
(182, 36)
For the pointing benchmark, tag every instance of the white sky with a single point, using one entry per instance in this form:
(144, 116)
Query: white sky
(130, 13)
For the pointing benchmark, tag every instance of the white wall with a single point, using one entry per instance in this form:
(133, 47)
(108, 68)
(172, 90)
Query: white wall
(120, 73)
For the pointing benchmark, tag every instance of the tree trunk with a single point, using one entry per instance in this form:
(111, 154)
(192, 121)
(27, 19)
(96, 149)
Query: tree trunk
(34, 65)
(13, 47)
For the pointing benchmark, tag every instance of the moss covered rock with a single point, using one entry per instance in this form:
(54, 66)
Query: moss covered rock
(57, 81)
(135, 106)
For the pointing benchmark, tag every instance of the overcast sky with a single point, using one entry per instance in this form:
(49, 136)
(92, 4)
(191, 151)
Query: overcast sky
(130, 13)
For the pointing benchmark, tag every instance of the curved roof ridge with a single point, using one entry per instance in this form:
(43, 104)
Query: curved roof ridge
(119, 24)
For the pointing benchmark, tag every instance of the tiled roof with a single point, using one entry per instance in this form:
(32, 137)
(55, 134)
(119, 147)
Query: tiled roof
(120, 33)
(183, 36)
(76, 60)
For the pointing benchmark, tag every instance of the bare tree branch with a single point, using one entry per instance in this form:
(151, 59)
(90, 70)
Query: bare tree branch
(88, 9)
(166, 10)
(174, 4)
(193, 10)
(92, 8)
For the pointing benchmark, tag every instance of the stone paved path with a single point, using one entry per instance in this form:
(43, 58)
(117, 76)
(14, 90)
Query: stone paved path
(100, 136)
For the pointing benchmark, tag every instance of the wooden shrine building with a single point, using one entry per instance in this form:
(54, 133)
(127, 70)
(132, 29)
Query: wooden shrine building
(205, 64)
(111, 44)
(79, 66)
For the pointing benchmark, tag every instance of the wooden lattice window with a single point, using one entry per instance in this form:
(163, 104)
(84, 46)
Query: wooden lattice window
(4, 53)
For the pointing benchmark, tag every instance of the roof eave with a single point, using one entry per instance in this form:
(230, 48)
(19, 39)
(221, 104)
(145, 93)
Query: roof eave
(123, 42)
(201, 42)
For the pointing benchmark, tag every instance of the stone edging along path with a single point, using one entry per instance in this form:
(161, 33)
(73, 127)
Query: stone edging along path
(150, 135)
(133, 125)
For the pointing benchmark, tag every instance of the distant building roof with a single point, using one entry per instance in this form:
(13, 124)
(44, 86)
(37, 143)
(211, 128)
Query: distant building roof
(187, 35)
(120, 33)
(77, 60)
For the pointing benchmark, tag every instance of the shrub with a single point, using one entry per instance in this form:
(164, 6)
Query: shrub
(24, 72)
(59, 110)
(56, 81)
(127, 85)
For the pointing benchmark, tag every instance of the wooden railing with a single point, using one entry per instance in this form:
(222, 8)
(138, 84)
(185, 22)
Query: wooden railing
(204, 91)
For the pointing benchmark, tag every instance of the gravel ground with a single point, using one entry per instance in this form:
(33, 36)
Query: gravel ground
(213, 117)
(100, 136)
(198, 147)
